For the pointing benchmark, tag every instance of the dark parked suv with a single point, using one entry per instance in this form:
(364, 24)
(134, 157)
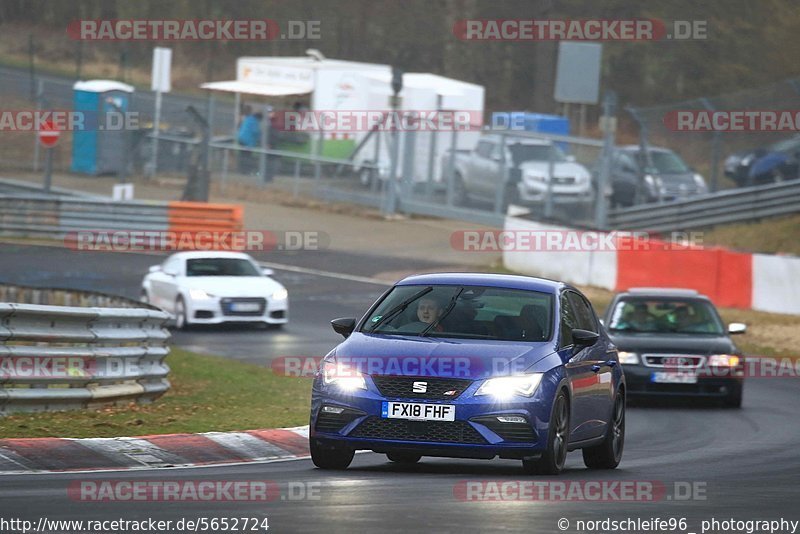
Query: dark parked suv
(672, 342)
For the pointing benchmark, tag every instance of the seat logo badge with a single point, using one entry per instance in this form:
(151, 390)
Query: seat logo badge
(449, 393)
(419, 387)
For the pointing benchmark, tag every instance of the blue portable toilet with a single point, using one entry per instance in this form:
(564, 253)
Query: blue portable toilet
(97, 150)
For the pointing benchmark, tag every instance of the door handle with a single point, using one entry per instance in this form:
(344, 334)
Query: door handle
(611, 363)
(596, 368)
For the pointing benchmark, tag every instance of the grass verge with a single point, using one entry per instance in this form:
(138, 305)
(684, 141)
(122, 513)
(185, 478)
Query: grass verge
(208, 393)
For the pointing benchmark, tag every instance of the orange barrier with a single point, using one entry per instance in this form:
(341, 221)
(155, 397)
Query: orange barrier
(192, 218)
(201, 216)
(725, 277)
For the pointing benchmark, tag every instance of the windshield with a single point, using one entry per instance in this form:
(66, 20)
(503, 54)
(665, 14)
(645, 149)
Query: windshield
(221, 267)
(683, 316)
(521, 153)
(463, 312)
(663, 163)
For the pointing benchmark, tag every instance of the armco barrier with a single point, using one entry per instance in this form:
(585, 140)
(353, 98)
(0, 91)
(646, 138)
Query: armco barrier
(57, 358)
(732, 279)
(732, 206)
(59, 217)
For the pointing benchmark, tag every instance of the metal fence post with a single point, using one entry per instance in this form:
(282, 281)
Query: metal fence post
(715, 148)
(317, 164)
(500, 193)
(409, 146)
(548, 201)
(604, 178)
(451, 168)
(390, 204)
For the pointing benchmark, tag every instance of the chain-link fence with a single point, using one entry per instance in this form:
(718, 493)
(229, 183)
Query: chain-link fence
(721, 157)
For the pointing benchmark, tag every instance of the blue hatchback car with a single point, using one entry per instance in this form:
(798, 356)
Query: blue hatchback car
(472, 366)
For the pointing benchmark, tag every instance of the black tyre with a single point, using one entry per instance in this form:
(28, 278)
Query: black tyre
(552, 460)
(328, 456)
(734, 398)
(402, 457)
(511, 195)
(459, 190)
(608, 454)
(181, 321)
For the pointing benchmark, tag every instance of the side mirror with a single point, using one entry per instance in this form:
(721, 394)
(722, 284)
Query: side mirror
(584, 338)
(737, 328)
(344, 326)
(154, 268)
(266, 271)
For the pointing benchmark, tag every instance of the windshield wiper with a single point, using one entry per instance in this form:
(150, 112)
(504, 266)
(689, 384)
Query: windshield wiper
(447, 310)
(400, 307)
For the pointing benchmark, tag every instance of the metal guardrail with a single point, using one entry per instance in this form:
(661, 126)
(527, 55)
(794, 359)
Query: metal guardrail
(56, 217)
(57, 358)
(19, 187)
(738, 205)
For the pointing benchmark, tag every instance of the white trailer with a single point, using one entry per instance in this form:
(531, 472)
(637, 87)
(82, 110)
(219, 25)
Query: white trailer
(341, 86)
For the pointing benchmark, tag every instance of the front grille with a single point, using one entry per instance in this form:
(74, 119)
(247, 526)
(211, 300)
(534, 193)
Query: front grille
(675, 361)
(227, 305)
(564, 180)
(334, 422)
(435, 388)
(508, 431)
(403, 430)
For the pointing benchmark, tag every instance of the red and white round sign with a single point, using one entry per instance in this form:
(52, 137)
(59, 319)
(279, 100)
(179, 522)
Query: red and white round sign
(48, 134)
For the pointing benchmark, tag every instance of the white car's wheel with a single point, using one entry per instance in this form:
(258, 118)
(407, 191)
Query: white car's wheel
(181, 321)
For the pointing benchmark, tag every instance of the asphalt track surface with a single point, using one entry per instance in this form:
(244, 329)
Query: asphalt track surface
(745, 462)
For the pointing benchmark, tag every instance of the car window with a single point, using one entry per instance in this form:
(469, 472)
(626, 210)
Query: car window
(625, 162)
(665, 315)
(569, 321)
(484, 149)
(220, 267)
(583, 312)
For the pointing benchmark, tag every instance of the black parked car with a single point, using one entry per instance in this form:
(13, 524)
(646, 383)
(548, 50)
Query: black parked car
(672, 342)
(658, 174)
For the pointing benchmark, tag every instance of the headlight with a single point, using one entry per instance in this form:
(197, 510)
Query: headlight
(345, 378)
(536, 177)
(280, 294)
(198, 294)
(505, 387)
(747, 160)
(628, 358)
(723, 360)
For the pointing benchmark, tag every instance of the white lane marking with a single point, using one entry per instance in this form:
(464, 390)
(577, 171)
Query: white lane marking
(328, 274)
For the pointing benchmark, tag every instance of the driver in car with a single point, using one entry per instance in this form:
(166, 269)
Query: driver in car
(429, 310)
(640, 319)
